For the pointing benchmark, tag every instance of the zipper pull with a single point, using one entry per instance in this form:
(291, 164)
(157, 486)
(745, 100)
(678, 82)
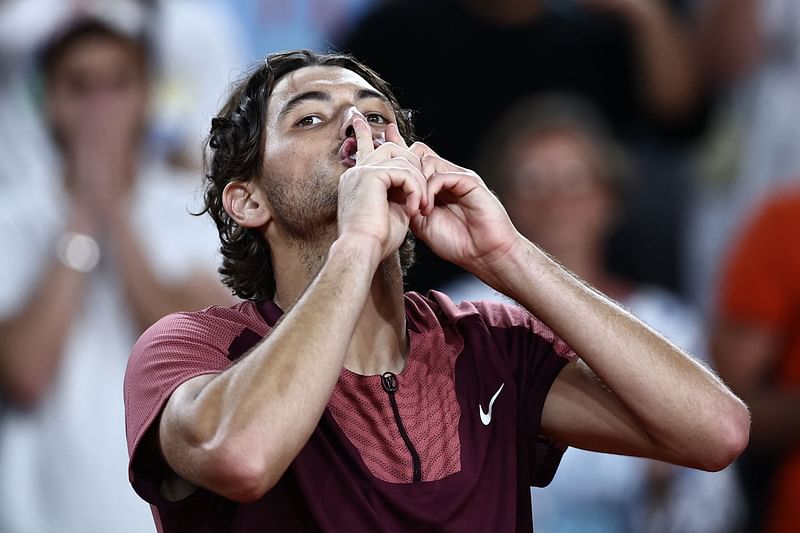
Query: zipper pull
(389, 382)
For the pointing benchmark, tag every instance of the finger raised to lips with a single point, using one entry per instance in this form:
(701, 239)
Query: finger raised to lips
(364, 143)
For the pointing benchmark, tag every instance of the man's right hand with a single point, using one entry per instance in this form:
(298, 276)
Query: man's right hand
(383, 191)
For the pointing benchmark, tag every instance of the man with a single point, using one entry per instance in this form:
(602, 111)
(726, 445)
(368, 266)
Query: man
(94, 255)
(331, 401)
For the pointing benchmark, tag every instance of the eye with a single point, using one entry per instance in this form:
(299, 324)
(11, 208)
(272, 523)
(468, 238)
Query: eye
(377, 118)
(310, 120)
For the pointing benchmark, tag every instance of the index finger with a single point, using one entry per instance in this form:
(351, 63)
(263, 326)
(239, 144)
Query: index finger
(364, 143)
(393, 135)
(433, 162)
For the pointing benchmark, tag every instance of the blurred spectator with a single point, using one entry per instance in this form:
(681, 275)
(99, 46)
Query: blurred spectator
(190, 70)
(751, 54)
(460, 63)
(89, 263)
(560, 175)
(756, 346)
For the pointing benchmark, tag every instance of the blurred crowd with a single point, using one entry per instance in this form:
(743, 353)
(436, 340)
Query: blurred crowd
(651, 146)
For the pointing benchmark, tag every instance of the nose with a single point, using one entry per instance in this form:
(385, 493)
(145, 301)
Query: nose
(349, 115)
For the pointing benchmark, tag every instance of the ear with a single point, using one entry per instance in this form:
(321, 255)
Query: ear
(246, 204)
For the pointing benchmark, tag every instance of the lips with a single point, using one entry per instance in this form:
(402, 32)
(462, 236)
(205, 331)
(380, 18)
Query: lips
(347, 152)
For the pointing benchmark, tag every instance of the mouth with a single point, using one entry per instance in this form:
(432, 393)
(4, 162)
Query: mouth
(347, 152)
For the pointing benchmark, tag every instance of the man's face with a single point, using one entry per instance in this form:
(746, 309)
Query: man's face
(98, 83)
(310, 142)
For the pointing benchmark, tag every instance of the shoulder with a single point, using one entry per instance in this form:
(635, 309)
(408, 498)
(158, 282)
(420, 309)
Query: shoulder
(440, 307)
(437, 306)
(215, 327)
(181, 346)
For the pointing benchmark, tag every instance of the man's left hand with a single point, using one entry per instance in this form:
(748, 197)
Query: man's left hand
(464, 222)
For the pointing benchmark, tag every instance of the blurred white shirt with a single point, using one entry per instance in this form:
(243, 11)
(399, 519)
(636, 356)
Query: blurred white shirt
(64, 464)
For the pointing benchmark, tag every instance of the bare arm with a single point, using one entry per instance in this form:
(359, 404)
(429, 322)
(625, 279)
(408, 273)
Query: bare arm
(31, 341)
(634, 392)
(667, 69)
(237, 432)
(745, 355)
(730, 40)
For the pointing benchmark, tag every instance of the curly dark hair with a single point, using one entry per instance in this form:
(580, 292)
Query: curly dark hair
(234, 152)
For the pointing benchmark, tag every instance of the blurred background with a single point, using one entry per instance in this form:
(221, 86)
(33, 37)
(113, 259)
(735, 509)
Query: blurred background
(651, 146)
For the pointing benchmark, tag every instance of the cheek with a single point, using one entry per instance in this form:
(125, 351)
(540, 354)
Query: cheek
(293, 164)
(65, 113)
(598, 212)
(276, 156)
(135, 100)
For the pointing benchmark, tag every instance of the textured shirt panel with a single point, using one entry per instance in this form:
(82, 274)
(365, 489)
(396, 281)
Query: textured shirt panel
(426, 401)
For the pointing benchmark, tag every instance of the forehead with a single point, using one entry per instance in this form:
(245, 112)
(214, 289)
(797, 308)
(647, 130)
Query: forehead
(96, 53)
(329, 79)
(551, 144)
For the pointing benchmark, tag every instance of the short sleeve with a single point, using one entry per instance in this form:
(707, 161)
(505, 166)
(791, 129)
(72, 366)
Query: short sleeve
(761, 273)
(536, 356)
(175, 349)
(539, 355)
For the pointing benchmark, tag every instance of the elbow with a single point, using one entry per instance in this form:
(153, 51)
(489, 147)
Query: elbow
(731, 437)
(243, 473)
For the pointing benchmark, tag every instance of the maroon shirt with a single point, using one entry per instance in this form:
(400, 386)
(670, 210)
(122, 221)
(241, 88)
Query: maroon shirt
(450, 444)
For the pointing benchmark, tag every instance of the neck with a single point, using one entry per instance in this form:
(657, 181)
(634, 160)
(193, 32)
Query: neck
(125, 167)
(379, 341)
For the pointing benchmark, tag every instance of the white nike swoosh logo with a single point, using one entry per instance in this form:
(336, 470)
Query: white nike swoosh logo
(487, 417)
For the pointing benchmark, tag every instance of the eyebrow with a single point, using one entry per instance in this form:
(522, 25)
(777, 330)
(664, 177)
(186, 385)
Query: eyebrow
(322, 96)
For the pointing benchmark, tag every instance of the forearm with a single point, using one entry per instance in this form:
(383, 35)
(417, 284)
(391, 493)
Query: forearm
(31, 341)
(730, 40)
(679, 404)
(249, 423)
(150, 298)
(667, 67)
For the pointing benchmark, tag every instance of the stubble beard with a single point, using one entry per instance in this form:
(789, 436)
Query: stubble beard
(307, 217)
(305, 214)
